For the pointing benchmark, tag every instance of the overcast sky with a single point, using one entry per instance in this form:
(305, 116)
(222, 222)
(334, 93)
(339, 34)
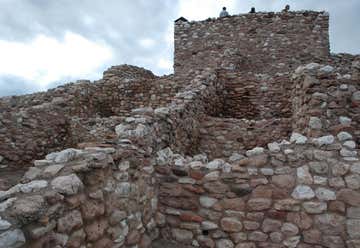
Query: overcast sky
(44, 43)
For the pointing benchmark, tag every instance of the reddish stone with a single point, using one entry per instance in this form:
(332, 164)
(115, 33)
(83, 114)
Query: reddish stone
(349, 196)
(75, 201)
(337, 206)
(312, 236)
(197, 175)
(284, 181)
(262, 192)
(259, 204)
(194, 189)
(301, 219)
(91, 209)
(95, 230)
(104, 243)
(190, 217)
(279, 215)
(237, 204)
(133, 237)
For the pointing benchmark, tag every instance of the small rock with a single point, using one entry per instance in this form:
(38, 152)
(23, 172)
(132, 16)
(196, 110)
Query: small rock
(314, 207)
(274, 147)
(12, 239)
(224, 243)
(302, 192)
(4, 225)
(353, 228)
(289, 229)
(348, 153)
(32, 173)
(353, 181)
(207, 202)
(69, 222)
(324, 140)
(343, 136)
(326, 69)
(344, 120)
(52, 170)
(325, 194)
(315, 123)
(292, 242)
(207, 225)
(350, 144)
(231, 225)
(69, 185)
(298, 138)
(270, 225)
(255, 151)
(303, 175)
(215, 164)
(33, 186)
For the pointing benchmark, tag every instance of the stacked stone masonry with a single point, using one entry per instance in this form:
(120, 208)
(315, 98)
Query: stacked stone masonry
(251, 146)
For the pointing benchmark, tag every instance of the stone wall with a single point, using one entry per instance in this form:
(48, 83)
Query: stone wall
(325, 101)
(98, 197)
(33, 125)
(261, 42)
(221, 137)
(299, 194)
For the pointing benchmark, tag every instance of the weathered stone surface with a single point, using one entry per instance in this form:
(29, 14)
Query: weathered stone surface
(303, 175)
(303, 192)
(353, 181)
(207, 202)
(237, 204)
(231, 225)
(181, 235)
(95, 230)
(270, 225)
(68, 185)
(259, 204)
(343, 136)
(353, 228)
(312, 236)
(289, 229)
(314, 207)
(208, 225)
(349, 196)
(330, 224)
(69, 222)
(284, 181)
(29, 208)
(224, 243)
(325, 194)
(298, 138)
(12, 239)
(257, 236)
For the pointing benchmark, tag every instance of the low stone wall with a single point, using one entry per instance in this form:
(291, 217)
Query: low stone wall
(98, 197)
(33, 125)
(326, 101)
(221, 137)
(300, 194)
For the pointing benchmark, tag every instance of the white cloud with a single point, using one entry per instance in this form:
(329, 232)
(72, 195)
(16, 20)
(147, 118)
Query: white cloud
(44, 59)
(147, 43)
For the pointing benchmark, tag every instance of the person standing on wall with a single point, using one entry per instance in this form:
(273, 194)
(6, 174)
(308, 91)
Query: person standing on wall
(224, 13)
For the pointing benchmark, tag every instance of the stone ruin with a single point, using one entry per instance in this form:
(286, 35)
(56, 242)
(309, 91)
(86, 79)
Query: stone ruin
(253, 142)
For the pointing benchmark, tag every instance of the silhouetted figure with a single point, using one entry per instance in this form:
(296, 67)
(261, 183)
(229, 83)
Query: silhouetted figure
(252, 11)
(224, 13)
(287, 8)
